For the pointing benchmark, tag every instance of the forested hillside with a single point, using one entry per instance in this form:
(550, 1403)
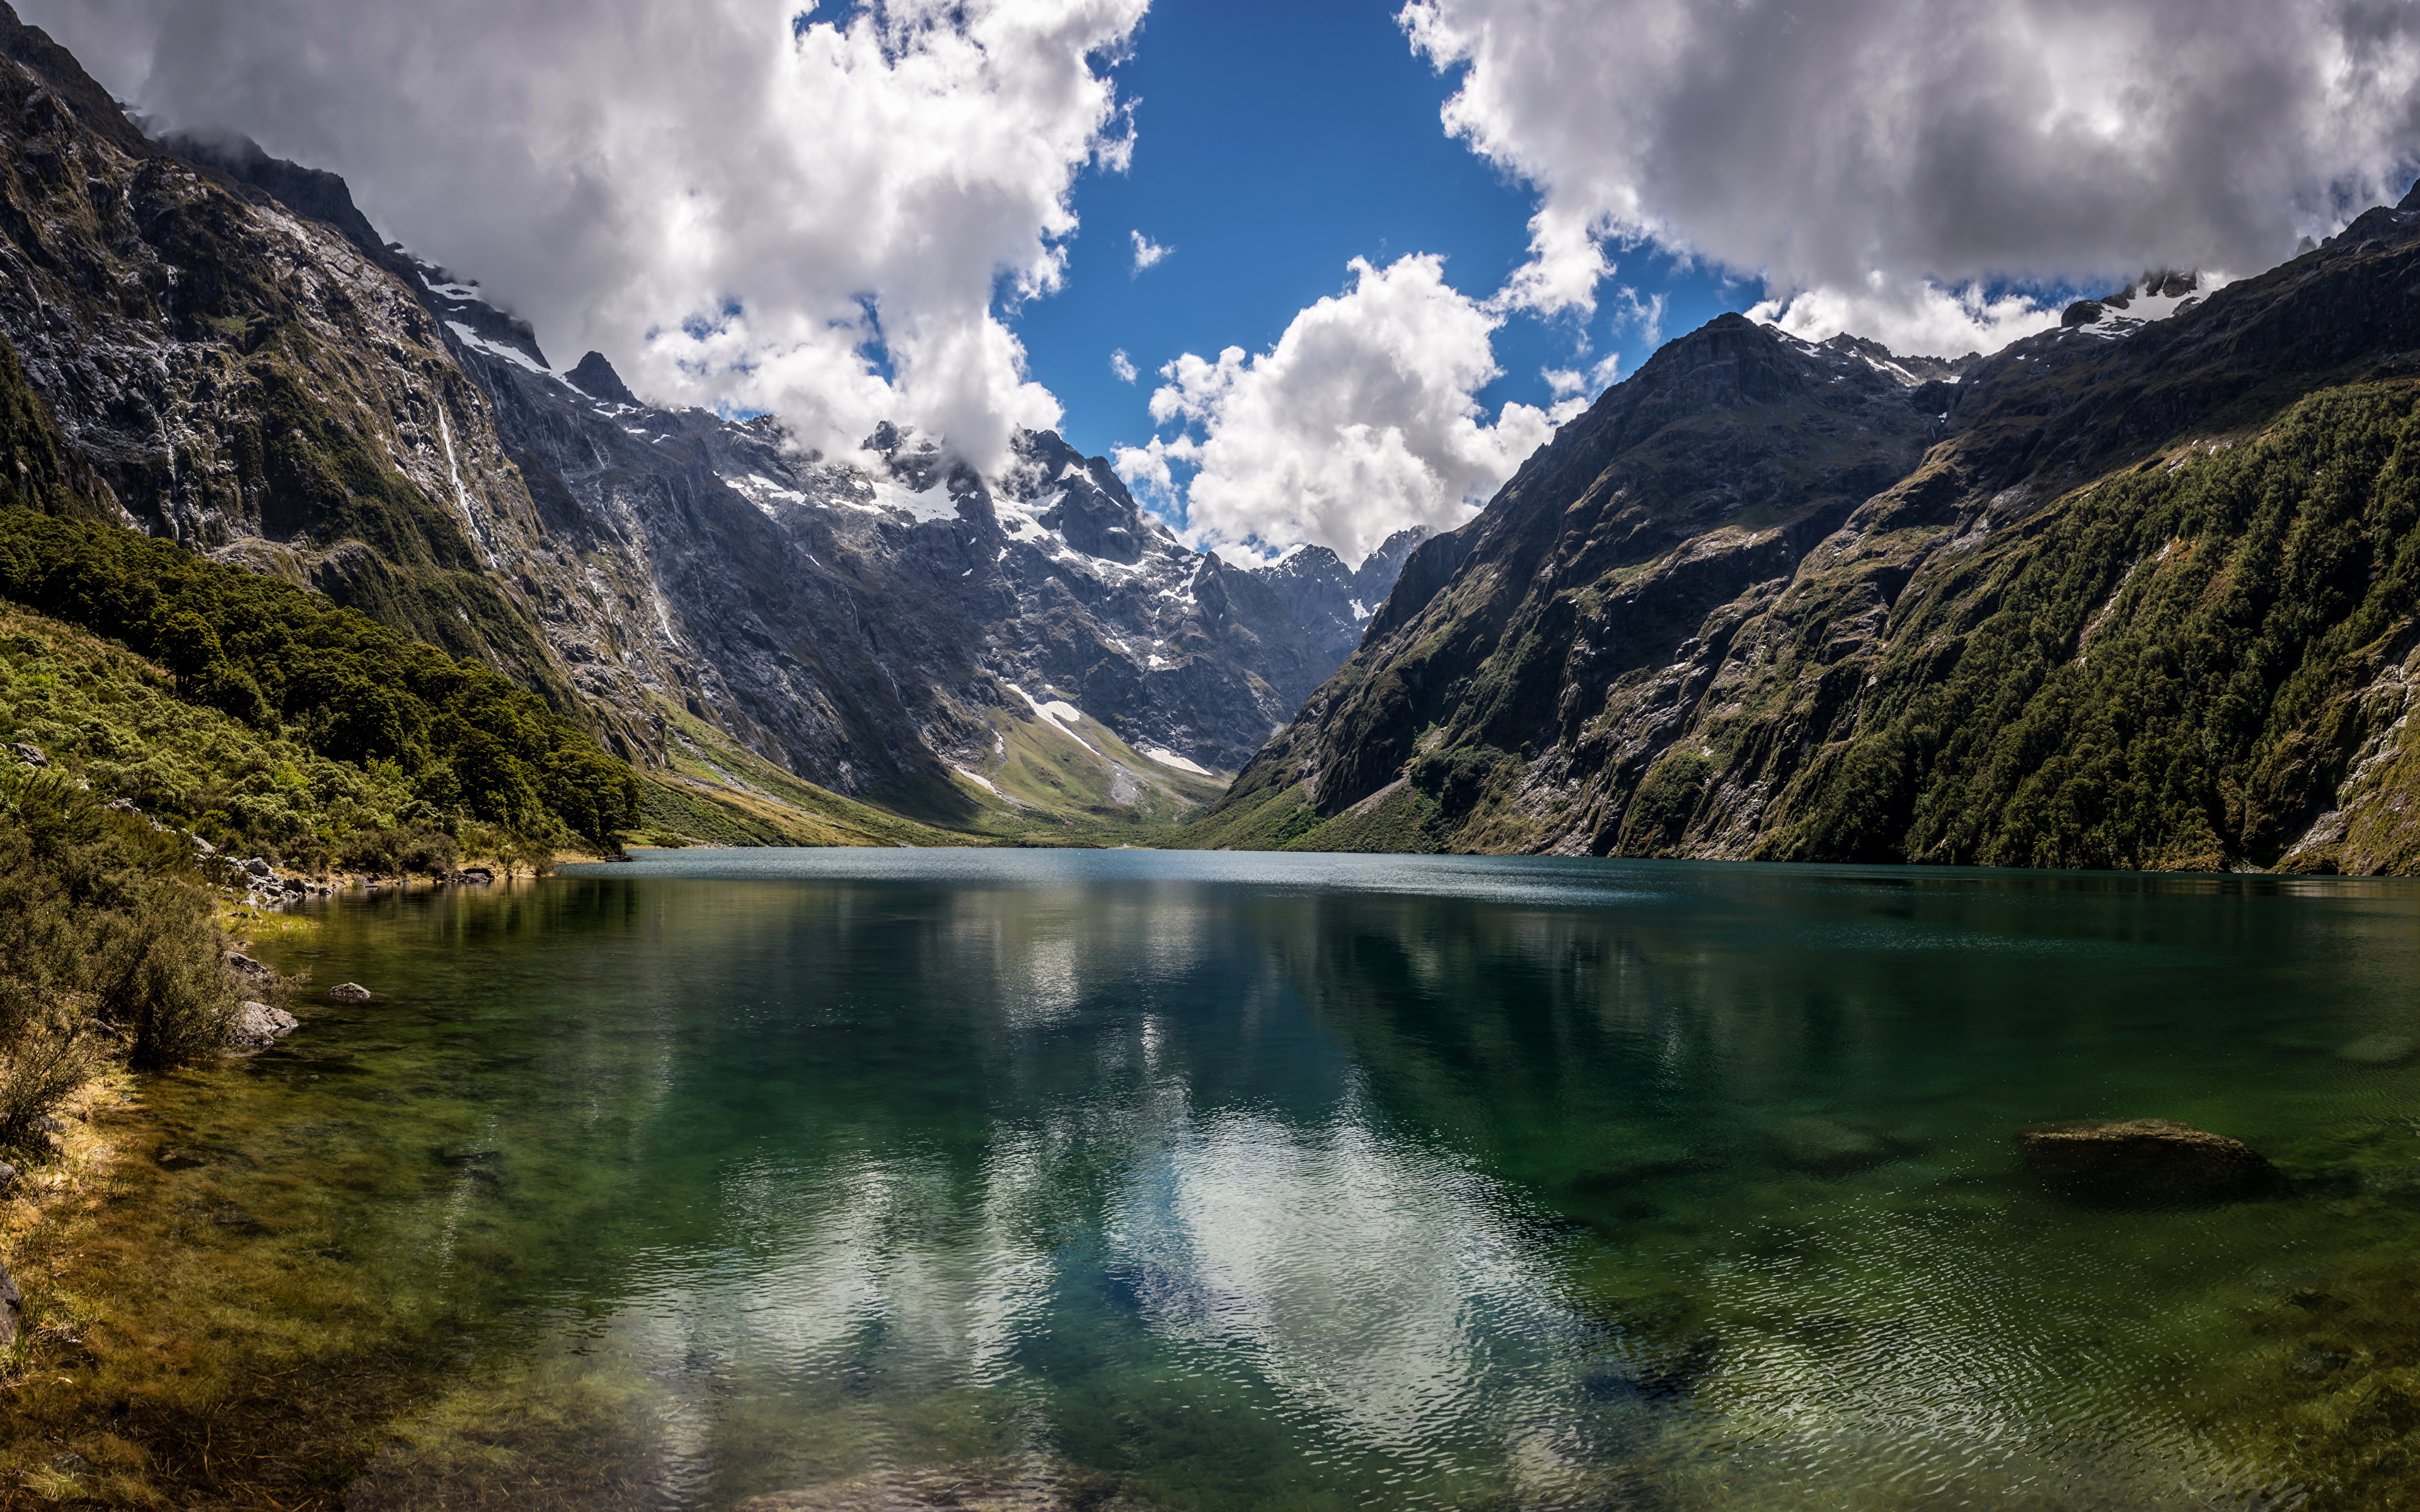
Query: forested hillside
(2145, 596)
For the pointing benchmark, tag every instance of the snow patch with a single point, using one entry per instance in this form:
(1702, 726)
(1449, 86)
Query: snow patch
(459, 293)
(932, 504)
(1059, 712)
(977, 779)
(514, 355)
(1169, 758)
(763, 492)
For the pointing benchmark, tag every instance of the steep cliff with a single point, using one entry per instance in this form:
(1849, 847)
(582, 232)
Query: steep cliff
(2134, 593)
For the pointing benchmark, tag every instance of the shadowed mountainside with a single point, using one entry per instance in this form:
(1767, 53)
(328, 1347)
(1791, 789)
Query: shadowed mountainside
(2139, 594)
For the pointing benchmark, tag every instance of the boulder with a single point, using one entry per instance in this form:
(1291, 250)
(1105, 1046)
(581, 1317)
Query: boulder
(349, 992)
(255, 866)
(29, 755)
(256, 1025)
(2379, 1050)
(12, 1309)
(9, 1174)
(2147, 1162)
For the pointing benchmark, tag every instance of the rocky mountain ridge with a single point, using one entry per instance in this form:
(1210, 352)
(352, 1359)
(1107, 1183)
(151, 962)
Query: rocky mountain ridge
(243, 365)
(2129, 593)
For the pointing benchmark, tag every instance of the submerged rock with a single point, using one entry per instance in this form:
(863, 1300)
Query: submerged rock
(349, 992)
(2147, 1162)
(1828, 1147)
(256, 1025)
(2379, 1050)
(991, 1486)
(1663, 1376)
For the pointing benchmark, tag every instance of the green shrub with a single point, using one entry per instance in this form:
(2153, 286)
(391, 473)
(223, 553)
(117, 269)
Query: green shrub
(107, 946)
(290, 663)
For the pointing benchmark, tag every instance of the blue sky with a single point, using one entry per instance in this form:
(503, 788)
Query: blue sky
(1276, 142)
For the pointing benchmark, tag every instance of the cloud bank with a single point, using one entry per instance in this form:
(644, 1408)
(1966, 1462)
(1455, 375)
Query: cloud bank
(738, 203)
(1360, 422)
(1885, 164)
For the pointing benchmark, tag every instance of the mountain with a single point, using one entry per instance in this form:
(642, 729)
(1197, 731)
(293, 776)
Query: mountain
(2141, 592)
(243, 366)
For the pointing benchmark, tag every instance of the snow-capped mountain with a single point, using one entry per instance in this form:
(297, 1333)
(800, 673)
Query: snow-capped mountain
(250, 369)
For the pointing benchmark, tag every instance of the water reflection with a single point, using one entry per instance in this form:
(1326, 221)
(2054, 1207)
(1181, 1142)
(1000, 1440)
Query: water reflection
(1318, 1182)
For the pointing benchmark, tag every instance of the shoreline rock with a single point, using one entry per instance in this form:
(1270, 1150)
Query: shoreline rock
(259, 1024)
(2142, 1164)
(349, 992)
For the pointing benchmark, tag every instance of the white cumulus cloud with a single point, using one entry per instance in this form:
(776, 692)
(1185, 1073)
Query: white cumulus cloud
(1886, 165)
(1122, 365)
(1147, 251)
(735, 200)
(1360, 422)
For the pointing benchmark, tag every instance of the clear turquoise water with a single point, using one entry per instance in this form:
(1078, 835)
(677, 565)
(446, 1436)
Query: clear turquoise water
(1344, 1182)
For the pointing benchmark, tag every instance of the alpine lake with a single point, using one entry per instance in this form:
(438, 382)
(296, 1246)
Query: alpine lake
(1223, 1181)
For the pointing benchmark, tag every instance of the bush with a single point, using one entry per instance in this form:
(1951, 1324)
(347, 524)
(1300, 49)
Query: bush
(399, 852)
(107, 946)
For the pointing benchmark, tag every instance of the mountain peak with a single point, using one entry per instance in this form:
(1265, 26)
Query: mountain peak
(595, 377)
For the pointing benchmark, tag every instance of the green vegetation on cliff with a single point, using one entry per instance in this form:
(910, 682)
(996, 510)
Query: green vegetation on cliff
(2145, 595)
(297, 669)
(2165, 670)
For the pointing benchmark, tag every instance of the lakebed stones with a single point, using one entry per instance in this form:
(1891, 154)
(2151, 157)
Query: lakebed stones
(349, 992)
(258, 1024)
(2147, 1162)
(2379, 1050)
(992, 1486)
(1827, 1146)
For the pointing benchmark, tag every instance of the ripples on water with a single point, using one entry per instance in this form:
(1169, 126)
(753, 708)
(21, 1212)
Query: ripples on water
(1329, 1181)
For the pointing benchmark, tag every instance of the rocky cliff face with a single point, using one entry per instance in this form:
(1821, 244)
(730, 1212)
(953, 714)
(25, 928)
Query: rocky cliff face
(247, 367)
(2132, 593)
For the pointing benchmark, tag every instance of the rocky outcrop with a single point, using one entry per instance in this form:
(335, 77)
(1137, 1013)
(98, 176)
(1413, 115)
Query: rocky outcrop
(2147, 1162)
